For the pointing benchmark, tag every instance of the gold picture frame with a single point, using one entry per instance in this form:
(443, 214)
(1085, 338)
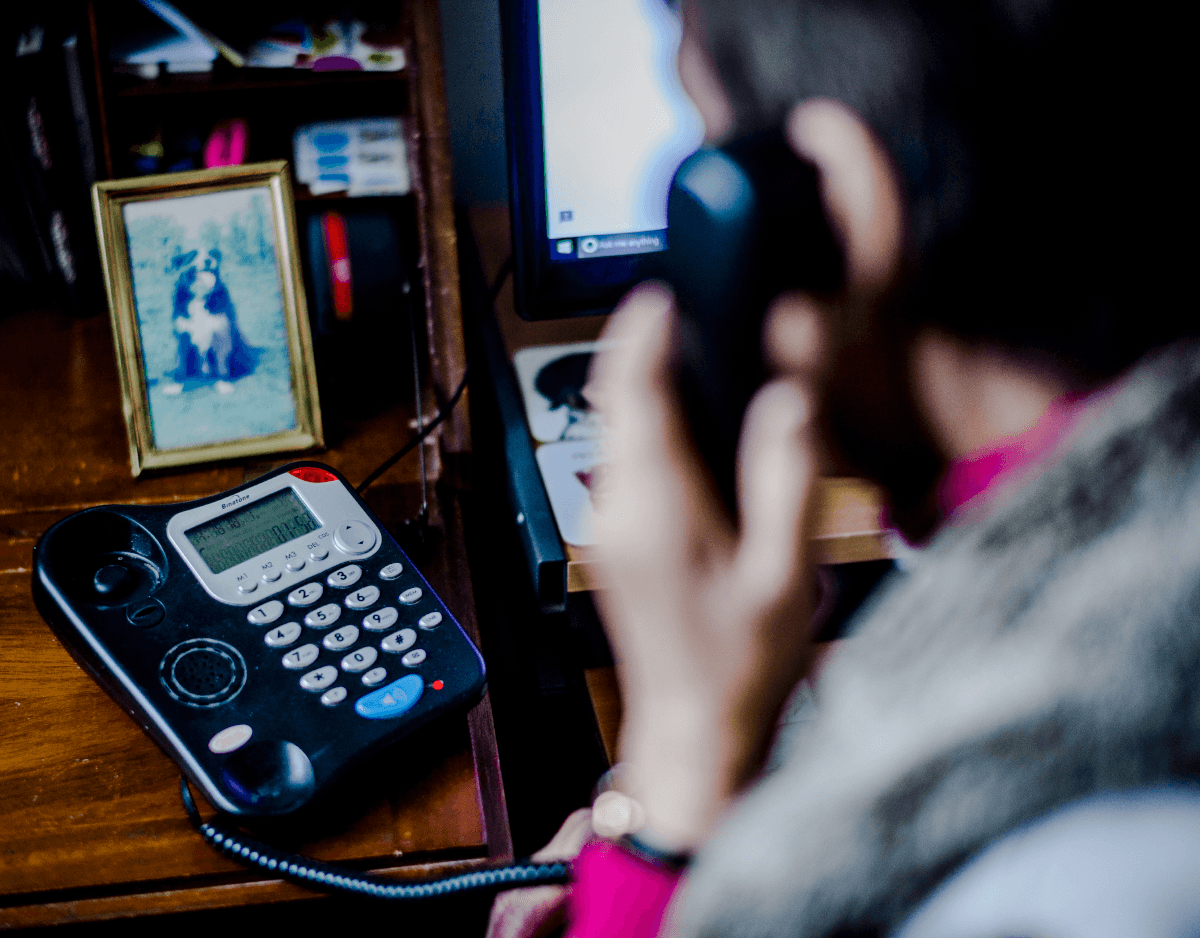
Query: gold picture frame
(209, 320)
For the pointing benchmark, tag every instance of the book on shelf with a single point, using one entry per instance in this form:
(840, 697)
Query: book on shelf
(49, 159)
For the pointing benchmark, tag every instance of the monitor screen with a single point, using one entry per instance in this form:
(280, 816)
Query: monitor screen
(598, 122)
(616, 124)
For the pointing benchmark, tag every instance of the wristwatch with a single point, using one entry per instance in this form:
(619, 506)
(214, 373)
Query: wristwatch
(617, 815)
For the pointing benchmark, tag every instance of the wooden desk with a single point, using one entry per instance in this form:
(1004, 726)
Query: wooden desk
(91, 825)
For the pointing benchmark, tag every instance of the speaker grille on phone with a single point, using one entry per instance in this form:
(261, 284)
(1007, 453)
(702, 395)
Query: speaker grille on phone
(203, 672)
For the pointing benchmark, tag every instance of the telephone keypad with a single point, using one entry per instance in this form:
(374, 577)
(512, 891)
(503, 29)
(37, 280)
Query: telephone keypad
(265, 614)
(324, 617)
(381, 619)
(344, 577)
(342, 639)
(399, 642)
(363, 598)
(319, 678)
(283, 635)
(301, 657)
(305, 595)
(360, 660)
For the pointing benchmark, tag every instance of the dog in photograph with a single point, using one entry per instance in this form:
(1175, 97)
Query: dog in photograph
(203, 316)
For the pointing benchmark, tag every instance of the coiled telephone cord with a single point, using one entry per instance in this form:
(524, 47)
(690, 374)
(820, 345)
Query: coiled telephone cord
(330, 878)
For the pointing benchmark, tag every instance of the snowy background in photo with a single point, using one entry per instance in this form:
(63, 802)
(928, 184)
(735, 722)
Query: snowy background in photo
(238, 224)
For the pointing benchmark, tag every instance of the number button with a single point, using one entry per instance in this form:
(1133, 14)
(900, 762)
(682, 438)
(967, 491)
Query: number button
(345, 577)
(301, 657)
(413, 658)
(364, 598)
(359, 660)
(319, 679)
(410, 596)
(381, 619)
(266, 613)
(399, 642)
(324, 617)
(342, 639)
(284, 635)
(305, 595)
(391, 571)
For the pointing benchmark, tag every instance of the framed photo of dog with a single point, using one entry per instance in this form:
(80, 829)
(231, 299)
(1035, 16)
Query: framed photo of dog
(208, 315)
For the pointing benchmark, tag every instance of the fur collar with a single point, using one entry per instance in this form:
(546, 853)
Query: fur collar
(1045, 649)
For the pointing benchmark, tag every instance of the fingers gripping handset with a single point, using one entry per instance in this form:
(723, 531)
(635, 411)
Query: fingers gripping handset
(707, 621)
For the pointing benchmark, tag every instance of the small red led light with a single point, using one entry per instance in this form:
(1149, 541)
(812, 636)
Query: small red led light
(437, 685)
(309, 474)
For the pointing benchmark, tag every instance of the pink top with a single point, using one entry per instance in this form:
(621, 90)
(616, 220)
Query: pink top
(619, 895)
(986, 471)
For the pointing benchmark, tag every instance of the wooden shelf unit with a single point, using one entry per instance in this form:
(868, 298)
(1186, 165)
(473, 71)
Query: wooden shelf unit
(91, 827)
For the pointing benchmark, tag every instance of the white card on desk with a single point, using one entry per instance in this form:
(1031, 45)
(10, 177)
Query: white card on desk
(573, 471)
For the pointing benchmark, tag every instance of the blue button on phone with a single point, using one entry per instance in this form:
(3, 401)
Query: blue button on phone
(393, 700)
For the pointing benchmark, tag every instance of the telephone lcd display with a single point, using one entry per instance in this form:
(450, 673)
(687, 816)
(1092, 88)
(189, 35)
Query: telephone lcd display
(227, 541)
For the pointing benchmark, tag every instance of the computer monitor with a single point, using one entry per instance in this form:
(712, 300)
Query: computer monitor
(598, 122)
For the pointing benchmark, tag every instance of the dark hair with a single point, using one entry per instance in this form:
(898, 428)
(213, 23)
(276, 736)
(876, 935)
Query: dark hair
(1038, 142)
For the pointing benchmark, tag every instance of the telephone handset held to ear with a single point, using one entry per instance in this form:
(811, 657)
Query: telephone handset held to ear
(745, 223)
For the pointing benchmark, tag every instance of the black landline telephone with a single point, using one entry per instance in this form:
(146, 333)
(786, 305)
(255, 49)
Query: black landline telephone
(267, 638)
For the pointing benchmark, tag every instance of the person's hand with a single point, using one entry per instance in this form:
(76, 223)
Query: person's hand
(537, 910)
(708, 621)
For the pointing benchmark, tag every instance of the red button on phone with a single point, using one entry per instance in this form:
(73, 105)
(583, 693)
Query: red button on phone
(309, 474)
